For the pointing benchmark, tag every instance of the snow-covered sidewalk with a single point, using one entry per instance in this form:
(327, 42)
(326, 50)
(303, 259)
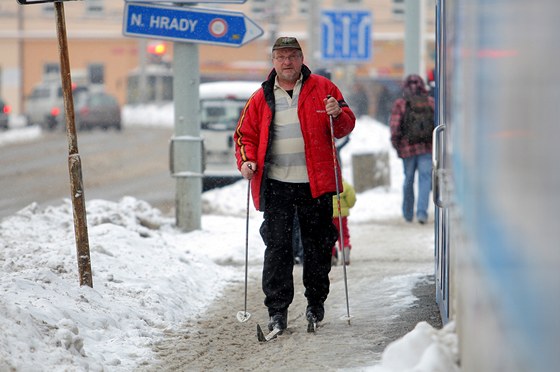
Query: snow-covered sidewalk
(151, 279)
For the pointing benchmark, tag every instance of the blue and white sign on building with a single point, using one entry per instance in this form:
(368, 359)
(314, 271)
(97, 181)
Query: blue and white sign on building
(346, 35)
(192, 25)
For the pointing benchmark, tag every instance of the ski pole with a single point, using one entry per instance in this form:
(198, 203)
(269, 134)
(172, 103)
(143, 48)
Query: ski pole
(340, 236)
(243, 316)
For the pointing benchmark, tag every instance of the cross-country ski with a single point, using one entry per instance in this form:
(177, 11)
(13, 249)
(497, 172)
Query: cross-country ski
(264, 338)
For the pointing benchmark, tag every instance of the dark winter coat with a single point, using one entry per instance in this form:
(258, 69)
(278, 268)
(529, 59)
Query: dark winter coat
(399, 142)
(252, 135)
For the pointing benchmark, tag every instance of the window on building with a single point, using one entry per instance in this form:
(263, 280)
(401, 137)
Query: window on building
(96, 72)
(398, 9)
(48, 9)
(259, 8)
(94, 7)
(303, 7)
(51, 68)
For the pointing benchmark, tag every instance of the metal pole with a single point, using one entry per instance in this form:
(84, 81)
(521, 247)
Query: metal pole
(21, 59)
(340, 235)
(187, 154)
(243, 316)
(414, 48)
(74, 162)
(313, 30)
(142, 77)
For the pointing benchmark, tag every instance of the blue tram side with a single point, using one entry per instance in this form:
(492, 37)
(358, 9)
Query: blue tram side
(497, 181)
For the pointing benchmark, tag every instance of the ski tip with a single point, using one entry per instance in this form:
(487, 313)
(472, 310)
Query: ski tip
(265, 338)
(311, 327)
(260, 334)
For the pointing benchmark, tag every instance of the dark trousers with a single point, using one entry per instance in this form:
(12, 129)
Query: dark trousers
(318, 235)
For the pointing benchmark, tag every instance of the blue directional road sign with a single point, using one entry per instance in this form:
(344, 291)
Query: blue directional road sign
(188, 1)
(346, 35)
(192, 25)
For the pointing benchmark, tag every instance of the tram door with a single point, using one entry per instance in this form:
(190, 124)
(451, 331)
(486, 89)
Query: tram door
(441, 173)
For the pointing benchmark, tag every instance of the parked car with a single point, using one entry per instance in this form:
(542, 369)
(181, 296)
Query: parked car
(96, 109)
(4, 114)
(221, 103)
(45, 105)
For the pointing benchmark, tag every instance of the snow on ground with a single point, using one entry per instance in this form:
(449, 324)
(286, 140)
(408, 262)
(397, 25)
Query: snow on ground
(19, 135)
(149, 277)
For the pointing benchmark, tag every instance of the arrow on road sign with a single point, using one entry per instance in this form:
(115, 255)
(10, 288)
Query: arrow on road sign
(346, 35)
(193, 25)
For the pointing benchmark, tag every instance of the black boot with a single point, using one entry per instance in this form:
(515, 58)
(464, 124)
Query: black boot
(278, 320)
(315, 312)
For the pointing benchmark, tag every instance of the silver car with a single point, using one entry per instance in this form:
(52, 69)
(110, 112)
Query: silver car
(221, 103)
(45, 105)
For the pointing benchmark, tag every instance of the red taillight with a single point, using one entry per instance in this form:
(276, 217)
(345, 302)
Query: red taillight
(55, 111)
(7, 109)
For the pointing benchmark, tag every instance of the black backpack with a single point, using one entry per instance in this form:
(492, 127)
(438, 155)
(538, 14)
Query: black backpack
(418, 120)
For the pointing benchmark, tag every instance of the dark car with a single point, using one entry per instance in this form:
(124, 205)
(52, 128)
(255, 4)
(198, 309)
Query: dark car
(4, 114)
(96, 109)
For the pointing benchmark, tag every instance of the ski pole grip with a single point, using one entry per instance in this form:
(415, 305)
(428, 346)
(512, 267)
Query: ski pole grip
(329, 96)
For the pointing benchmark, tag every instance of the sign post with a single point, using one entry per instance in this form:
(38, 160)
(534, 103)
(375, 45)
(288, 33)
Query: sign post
(186, 144)
(188, 27)
(74, 161)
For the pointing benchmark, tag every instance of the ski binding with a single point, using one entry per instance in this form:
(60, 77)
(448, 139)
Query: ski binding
(312, 324)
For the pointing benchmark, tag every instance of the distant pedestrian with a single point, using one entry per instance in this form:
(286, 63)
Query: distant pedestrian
(411, 137)
(359, 100)
(283, 144)
(347, 201)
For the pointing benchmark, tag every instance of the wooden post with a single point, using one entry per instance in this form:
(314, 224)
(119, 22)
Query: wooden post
(74, 162)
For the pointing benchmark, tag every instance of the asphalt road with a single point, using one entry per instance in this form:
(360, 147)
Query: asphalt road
(133, 162)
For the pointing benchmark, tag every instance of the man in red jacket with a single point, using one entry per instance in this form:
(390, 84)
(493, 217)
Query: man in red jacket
(283, 145)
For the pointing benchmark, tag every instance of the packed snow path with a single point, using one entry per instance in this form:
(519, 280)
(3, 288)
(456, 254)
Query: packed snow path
(391, 289)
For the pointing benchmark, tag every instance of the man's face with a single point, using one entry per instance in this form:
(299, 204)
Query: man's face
(287, 63)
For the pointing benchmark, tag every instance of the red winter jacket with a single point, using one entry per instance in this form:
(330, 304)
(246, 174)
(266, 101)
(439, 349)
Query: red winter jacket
(252, 139)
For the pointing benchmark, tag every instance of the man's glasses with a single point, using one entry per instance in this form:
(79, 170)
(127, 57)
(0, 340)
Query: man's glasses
(282, 59)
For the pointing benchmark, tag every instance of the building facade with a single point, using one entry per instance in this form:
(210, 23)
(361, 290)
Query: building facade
(98, 50)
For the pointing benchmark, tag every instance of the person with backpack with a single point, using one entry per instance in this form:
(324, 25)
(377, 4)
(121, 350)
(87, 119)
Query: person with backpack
(412, 124)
